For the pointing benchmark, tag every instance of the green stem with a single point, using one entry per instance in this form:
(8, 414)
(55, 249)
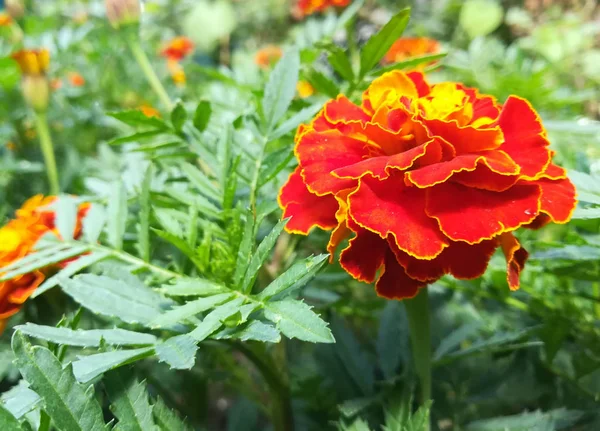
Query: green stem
(41, 124)
(417, 310)
(153, 80)
(44, 422)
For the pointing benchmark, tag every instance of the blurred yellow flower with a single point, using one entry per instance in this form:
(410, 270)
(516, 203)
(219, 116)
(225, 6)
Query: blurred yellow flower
(304, 89)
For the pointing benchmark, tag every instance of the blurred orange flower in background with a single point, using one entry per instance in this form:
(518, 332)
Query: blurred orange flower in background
(426, 180)
(408, 47)
(149, 111)
(32, 62)
(17, 239)
(75, 79)
(175, 51)
(309, 7)
(269, 55)
(5, 19)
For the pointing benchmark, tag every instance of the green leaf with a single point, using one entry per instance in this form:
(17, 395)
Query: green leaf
(71, 406)
(527, 421)
(281, 88)
(393, 346)
(136, 118)
(87, 338)
(586, 213)
(295, 319)
(453, 340)
(379, 44)
(480, 17)
(66, 208)
(178, 117)
(339, 60)
(166, 419)
(298, 275)
(93, 223)
(86, 368)
(255, 331)
(295, 120)
(168, 222)
(70, 270)
(115, 298)
(135, 137)
(193, 287)
(10, 75)
(182, 245)
(20, 400)
(214, 320)
(244, 250)
(145, 208)
(129, 402)
(408, 64)
(7, 421)
(201, 181)
(178, 352)
(322, 83)
(569, 252)
(46, 257)
(202, 115)
(274, 163)
(117, 215)
(180, 314)
(260, 256)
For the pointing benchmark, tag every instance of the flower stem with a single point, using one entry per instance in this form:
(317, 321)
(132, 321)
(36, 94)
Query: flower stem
(142, 59)
(41, 124)
(417, 310)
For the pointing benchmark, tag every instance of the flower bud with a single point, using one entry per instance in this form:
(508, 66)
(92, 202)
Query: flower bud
(35, 86)
(123, 12)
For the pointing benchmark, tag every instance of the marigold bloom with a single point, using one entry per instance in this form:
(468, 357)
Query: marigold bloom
(17, 240)
(34, 64)
(149, 111)
(76, 80)
(268, 56)
(407, 47)
(5, 19)
(177, 48)
(304, 89)
(427, 180)
(309, 7)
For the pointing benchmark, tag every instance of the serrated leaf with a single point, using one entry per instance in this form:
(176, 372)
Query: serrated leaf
(166, 419)
(260, 256)
(117, 215)
(244, 250)
(178, 352)
(281, 88)
(169, 223)
(178, 117)
(202, 115)
(295, 120)
(93, 223)
(129, 402)
(70, 270)
(380, 43)
(7, 421)
(274, 163)
(298, 274)
(182, 246)
(87, 338)
(86, 368)
(453, 340)
(66, 208)
(322, 83)
(201, 181)
(295, 319)
(145, 208)
(69, 404)
(193, 287)
(115, 298)
(214, 320)
(179, 314)
(136, 118)
(255, 331)
(526, 421)
(20, 399)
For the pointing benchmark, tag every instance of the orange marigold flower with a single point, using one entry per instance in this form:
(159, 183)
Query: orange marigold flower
(426, 180)
(32, 62)
(177, 48)
(408, 47)
(268, 56)
(177, 72)
(304, 89)
(17, 239)
(5, 19)
(309, 7)
(76, 79)
(149, 111)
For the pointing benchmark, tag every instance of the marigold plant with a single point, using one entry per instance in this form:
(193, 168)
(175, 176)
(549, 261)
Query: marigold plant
(426, 180)
(17, 239)
(407, 47)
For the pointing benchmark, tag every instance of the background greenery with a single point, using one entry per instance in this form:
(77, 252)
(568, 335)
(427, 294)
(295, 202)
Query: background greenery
(197, 194)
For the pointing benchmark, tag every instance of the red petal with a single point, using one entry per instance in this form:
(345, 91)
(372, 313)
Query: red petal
(319, 153)
(418, 78)
(394, 283)
(466, 139)
(389, 207)
(558, 199)
(24, 286)
(516, 256)
(524, 137)
(364, 255)
(306, 209)
(472, 215)
(495, 161)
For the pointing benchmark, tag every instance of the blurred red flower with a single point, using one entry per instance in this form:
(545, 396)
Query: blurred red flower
(408, 47)
(426, 180)
(177, 48)
(309, 7)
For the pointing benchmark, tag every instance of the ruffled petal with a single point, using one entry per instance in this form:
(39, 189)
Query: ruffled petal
(466, 139)
(558, 199)
(524, 137)
(516, 256)
(306, 209)
(364, 255)
(472, 215)
(390, 208)
(388, 89)
(394, 283)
